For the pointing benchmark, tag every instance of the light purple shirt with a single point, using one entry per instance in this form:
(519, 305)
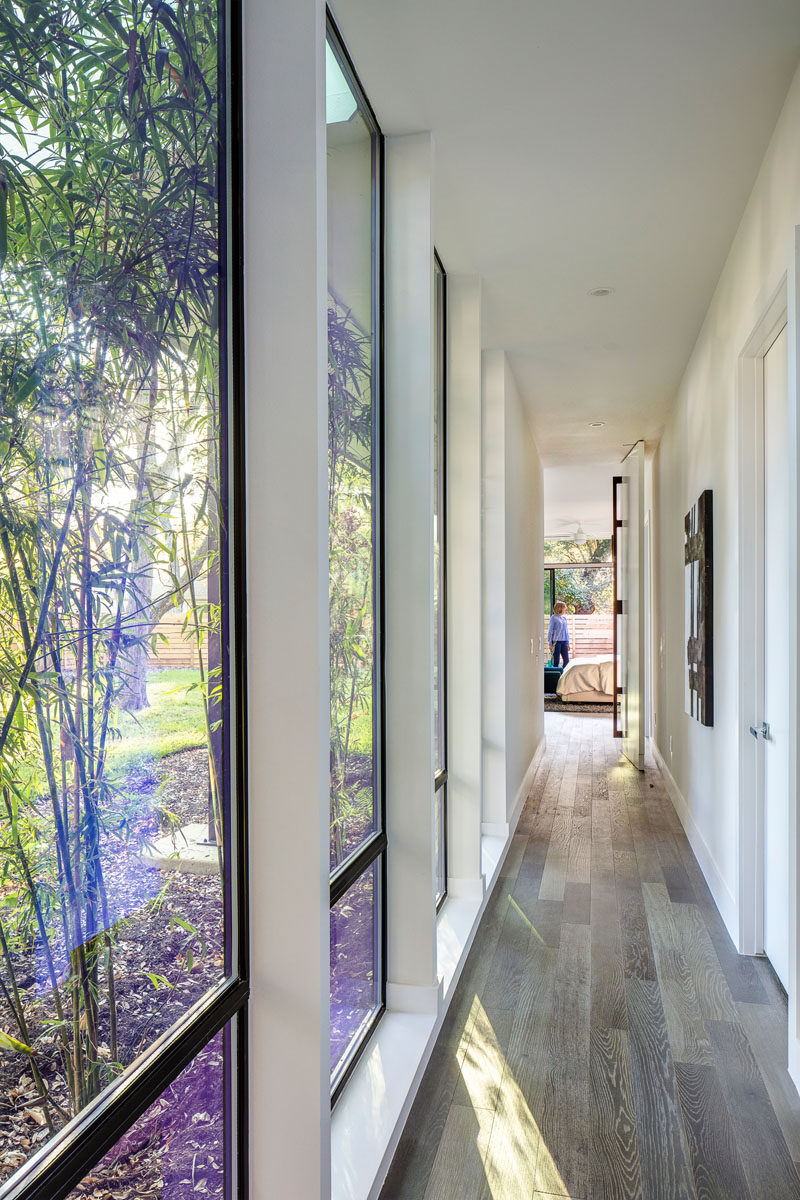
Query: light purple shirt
(559, 629)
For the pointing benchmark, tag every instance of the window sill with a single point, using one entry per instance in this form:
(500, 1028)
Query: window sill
(370, 1114)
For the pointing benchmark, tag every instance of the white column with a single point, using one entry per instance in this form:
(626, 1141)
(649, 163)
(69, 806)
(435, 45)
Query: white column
(408, 573)
(287, 593)
(793, 641)
(495, 818)
(464, 765)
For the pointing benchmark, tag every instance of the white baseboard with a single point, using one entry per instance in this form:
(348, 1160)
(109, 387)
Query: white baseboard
(495, 829)
(723, 897)
(413, 998)
(465, 889)
(505, 829)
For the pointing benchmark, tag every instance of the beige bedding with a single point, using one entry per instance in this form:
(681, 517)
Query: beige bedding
(587, 698)
(587, 675)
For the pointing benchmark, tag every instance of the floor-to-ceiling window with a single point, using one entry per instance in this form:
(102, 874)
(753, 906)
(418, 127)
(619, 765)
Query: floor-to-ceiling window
(122, 923)
(357, 837)
(439, 580)
(580, 573)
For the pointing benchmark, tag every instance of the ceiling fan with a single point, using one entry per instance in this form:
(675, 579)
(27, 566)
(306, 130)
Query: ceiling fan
(580, 536)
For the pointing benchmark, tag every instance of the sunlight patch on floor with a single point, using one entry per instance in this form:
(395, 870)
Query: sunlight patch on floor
(516, 1160)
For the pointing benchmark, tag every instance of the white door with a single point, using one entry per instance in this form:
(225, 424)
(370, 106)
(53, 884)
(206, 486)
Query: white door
(777, 601)
(630, 593)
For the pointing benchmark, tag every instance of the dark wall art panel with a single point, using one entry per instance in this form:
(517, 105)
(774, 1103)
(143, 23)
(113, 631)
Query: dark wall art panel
(698, 557)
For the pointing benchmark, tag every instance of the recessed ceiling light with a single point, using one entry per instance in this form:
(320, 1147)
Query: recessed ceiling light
(596, 424)
(602, 291)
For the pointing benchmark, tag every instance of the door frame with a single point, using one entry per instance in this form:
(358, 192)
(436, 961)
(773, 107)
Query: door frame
(750, 434)
(637, 451)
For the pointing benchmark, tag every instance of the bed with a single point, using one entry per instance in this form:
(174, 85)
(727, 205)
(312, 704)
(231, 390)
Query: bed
(588, 681)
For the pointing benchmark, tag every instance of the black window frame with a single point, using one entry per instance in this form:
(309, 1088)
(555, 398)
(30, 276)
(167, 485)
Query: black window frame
(374, 847)
(63, 1162)
(551, 568)
(440, 776)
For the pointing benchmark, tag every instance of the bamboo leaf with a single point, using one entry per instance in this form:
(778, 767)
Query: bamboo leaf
(7, 1042)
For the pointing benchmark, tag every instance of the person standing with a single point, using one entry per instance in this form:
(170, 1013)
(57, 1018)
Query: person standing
(558, 634)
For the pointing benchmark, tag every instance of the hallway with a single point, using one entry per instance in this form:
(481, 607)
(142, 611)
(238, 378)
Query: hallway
(605, 1039)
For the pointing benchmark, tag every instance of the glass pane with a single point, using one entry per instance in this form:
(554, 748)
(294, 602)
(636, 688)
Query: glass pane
(440, 835)
(112, 670)
(355, 994)
(439, 666)
(352, 493)
(588, 593)
(584, 550)
(177, 1149)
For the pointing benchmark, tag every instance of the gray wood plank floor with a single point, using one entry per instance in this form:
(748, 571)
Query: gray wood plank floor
(606, 1041)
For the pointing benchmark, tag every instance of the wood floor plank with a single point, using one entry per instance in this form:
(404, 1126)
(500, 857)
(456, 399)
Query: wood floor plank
(718, 1173)
(555, 868)
(637, 950)
(739, 971)
(685, 1029)
(608, 1008)
(621, 835)
(419, 1144)
(647, 860)
(459, 1167)
(482, 1064)
(604, 912)
(602, 864)
(563, 1166)
(513, 860)
(711, 986)
(615, 1168)
(605, 1040)
(513, 1148)
(679, 886)
(577, 903)
(663, 1149)
(579, 861)
(765, 1156)
(546, 921)
(766, 1029)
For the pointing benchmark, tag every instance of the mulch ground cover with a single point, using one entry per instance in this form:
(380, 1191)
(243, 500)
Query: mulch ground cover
(161, 969)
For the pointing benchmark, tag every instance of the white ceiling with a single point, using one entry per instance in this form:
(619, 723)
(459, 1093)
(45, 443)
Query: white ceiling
(579, 144)
(579, 494)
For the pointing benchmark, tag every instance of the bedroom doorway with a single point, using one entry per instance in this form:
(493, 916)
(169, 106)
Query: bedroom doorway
(629, 605)
(579, 573)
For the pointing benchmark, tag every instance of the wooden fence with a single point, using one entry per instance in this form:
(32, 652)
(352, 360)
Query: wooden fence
(178, 651)
(589, 635)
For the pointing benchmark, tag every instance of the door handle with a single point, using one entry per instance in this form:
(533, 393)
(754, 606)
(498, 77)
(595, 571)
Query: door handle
(762, 732)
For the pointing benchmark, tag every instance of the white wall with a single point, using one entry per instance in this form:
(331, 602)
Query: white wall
(699, 449)
(286, 411)
(464, 685)
(524, 587)
(513, 595)
(408, 571)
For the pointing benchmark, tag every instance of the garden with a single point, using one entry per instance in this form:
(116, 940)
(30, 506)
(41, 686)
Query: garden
(112, 515)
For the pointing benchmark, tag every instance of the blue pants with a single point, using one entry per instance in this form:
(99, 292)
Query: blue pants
(560, 651)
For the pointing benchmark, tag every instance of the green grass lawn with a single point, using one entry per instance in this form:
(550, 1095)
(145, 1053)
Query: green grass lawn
(174, 721)
(361, 731)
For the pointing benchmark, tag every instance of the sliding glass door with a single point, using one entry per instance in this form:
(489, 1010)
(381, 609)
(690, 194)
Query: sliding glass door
(357, 837)
(123, 971)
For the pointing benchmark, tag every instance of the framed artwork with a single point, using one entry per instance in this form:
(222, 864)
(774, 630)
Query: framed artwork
(698, 557)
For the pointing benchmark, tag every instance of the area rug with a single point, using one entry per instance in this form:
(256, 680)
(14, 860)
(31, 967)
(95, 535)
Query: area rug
(553, 704)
